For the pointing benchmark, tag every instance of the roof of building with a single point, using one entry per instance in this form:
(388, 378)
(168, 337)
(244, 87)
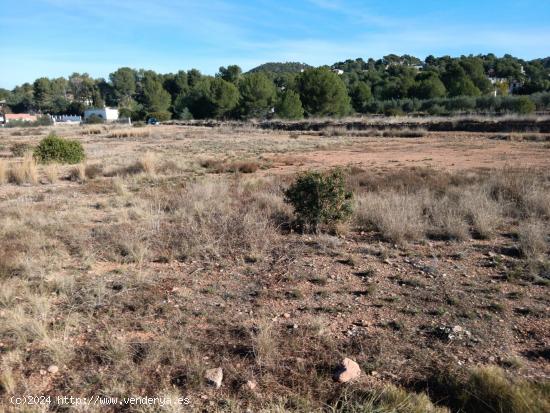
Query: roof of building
(20, 116)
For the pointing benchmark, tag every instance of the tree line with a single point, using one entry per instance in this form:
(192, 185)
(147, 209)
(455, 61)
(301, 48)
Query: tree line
(391, 85)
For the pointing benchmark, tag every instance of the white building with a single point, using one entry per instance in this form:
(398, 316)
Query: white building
(107, 114)
(67, 119)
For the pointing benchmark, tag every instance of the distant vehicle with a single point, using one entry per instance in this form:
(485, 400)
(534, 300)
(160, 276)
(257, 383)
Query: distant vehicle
(153, 121)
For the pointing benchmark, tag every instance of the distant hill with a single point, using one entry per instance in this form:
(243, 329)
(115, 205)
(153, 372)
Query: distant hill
(278, 67)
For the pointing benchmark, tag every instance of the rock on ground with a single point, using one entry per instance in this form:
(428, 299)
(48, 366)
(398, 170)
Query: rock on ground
(214, 377)
(53, 369)
(347, 370)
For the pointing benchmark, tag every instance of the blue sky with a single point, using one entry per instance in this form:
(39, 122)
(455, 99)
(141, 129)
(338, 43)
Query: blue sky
(58, 37)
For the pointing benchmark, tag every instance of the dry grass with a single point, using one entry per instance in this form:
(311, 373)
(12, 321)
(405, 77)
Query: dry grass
(482, 211)
(3, 172)
(130, 133)
(93, 171)
(78, 173)
(10, 362)
(25, 171)
(405, 133)
(398, 217)
(223, 166)
(488, 389)
(208, 219)
(388, 399)
(148, 163)
(51, 171)
(92, 130)
(138, 284)
(532, 237)
(410, 216)
(19, 149)
(119, 186)
(522, 193)
(265, 345)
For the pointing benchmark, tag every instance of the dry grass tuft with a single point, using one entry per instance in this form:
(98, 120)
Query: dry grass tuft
(92, 131)
(25, 171)
(148, 163)
(448, 218)
(118, 186)
(398, 217)
(10, 362)
(78, 173)
(274, 206)
(524, 194)
(52, 172)
(19, 149)
(210, 219)
(265, 344)
(334, 131)
(405, 133)
(221, 166)
(532, 239)
(483, 213)
(488, 389)
(3, 172)
(93, 171)
(130, 133)
(386, 399)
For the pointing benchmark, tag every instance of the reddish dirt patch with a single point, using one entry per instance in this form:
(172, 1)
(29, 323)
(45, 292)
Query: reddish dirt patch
(439, 150)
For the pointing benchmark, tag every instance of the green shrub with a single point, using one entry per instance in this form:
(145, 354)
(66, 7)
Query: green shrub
(524, 105)
(320, 198)
(56, 149)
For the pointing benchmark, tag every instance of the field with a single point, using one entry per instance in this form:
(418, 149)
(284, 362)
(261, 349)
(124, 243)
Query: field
(172, 251)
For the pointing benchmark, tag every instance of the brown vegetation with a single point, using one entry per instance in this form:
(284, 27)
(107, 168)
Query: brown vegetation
(138, 276)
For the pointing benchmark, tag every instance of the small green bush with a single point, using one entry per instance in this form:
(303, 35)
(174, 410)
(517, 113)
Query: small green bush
(56, 149)
(320, 198)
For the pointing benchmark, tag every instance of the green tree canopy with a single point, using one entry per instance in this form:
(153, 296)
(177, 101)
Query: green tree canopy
(154, 98)
(231, 73)
(82, 88)
(258, 95)
(176, 84)
(42, 92)
(323, 93)
(124, 85)
(211, 98)
(428, 86)
(289, 105)
(224, 96)
(361, 95)
(458, 83)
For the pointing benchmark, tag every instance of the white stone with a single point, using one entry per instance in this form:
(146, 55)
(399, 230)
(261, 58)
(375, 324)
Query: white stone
(53, 369)
(347, 371)
(214, 377)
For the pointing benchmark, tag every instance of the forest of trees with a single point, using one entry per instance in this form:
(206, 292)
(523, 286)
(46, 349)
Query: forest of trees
(392, 85)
